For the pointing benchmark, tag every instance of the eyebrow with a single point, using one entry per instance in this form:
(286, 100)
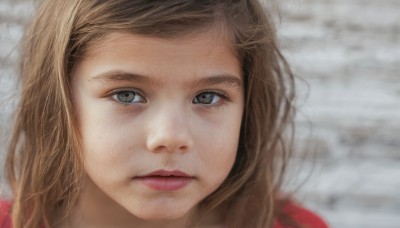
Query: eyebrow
(122, 76)
(220, 79)
(116, 75)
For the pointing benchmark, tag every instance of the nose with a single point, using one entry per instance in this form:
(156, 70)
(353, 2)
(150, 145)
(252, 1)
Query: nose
(169, 131)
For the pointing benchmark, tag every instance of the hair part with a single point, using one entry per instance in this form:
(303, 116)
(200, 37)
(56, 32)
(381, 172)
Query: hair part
(44, 164)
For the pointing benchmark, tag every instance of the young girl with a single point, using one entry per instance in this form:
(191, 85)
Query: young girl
(156, 113)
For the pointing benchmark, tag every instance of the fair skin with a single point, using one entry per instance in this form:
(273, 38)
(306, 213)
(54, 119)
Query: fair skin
(147, 104)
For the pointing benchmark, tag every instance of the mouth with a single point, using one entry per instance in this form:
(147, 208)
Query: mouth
(163, 180)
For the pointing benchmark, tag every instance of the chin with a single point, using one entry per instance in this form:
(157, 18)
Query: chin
(161, 213)
(160, 216)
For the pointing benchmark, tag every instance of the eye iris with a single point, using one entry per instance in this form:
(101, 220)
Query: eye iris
(205, 98)
(126, 96)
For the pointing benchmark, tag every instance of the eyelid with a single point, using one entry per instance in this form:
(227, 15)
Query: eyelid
(135, 90)
(220, 93)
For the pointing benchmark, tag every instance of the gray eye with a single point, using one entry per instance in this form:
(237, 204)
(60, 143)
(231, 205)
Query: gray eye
(206, 98)
(128, 97)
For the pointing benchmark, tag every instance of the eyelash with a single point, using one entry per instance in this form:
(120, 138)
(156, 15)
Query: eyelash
(222, 97)
(115, 94)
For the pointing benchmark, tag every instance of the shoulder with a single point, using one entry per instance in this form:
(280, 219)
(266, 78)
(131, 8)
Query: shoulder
(5, 219)
(298, 214)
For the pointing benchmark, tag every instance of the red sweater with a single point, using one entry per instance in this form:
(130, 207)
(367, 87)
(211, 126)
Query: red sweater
(5, 220)
(297, 213)
(303, 216)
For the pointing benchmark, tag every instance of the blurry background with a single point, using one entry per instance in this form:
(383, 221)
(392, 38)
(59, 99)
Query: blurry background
(348, 52)
(347, 55)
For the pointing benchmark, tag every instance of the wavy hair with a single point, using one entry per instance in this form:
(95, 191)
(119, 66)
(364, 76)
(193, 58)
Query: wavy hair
(44, 164)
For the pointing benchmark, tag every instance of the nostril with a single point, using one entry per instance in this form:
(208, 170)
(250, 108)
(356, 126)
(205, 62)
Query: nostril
(184, 148)
(160, 149)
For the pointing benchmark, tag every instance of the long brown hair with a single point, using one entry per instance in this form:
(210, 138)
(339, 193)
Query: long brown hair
(44, 165)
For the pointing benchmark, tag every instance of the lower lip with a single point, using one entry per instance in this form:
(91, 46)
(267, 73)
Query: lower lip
(165, 183)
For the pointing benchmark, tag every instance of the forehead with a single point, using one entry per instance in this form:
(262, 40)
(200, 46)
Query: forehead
(196, 54)
(216, 36)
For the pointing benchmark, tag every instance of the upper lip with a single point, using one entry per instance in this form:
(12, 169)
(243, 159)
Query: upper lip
(166, 173)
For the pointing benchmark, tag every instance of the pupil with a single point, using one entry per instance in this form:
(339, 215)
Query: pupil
(206, 98)
(126, 97)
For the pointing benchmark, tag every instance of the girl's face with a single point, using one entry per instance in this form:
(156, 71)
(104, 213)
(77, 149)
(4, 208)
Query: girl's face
(159, 120)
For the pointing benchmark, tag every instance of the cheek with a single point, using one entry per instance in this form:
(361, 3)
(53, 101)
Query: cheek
(217, 164)
(107, 142)
(218, 149)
